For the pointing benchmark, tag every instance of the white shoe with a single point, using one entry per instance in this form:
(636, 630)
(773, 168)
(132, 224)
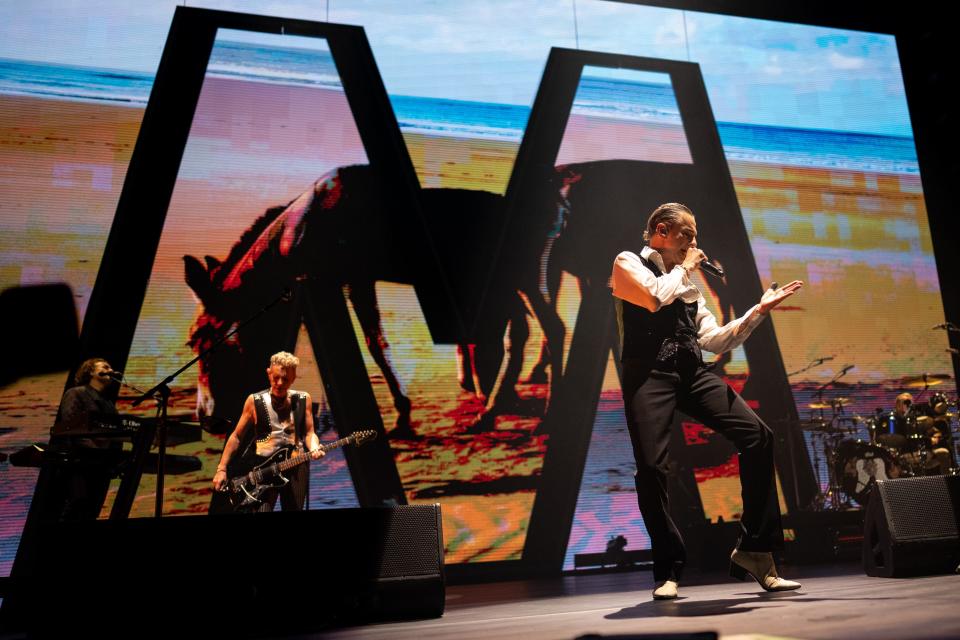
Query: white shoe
(666, 591)
(759, 566)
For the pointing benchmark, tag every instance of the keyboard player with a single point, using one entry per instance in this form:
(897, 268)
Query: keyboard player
(79, 492)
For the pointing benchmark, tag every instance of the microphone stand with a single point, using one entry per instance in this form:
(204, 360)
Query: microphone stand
(793, 461)
(835, 378)
(833, 489)
(161, 393)
(123, 382)
(814, 363)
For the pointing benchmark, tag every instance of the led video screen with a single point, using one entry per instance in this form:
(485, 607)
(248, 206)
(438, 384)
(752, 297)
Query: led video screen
(460, 312)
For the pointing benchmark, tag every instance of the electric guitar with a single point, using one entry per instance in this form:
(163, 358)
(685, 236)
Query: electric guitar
(245, 490)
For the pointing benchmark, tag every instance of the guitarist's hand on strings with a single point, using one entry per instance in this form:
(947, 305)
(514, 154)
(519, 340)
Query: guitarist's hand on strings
(220, 480)
(313, 445)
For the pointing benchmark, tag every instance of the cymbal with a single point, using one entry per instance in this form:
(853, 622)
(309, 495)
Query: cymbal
(924, 380)
(924, 421)
(829, 404)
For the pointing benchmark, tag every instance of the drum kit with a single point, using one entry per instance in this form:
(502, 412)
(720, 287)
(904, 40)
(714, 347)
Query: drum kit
(916, 438)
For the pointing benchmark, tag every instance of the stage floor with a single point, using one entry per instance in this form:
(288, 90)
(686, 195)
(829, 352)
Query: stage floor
(834, 602)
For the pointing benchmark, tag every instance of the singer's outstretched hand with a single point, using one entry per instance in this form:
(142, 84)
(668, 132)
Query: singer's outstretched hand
(773, 297)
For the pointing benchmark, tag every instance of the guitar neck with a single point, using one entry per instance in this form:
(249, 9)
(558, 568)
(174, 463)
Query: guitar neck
(293, 461)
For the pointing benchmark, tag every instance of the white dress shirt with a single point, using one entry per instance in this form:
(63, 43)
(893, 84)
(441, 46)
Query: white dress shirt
(635, 283)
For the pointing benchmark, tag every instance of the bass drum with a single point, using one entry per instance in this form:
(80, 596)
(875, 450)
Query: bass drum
(859, 465)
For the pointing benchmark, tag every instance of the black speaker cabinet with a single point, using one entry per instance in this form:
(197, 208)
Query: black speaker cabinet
(911, 527)
(257, 573)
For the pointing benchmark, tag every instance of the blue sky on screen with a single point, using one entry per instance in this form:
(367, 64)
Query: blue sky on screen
(759, 72)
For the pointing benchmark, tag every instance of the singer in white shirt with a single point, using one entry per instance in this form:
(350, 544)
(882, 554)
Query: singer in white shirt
(664, 324)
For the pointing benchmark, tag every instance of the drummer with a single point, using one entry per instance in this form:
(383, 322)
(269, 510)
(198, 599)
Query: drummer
(900, 424)
(919, 440)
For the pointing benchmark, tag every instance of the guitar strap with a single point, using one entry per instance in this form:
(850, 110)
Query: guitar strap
(298, 407)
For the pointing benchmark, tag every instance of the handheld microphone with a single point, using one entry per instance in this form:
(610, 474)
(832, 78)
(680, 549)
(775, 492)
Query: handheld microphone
(711, 268)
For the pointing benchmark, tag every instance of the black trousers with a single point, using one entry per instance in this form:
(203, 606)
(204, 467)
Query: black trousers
(651, 398)
(74, 493)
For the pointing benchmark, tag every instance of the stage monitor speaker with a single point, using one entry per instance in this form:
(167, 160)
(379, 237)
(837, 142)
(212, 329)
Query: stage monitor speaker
(911, 527)
(258, 573)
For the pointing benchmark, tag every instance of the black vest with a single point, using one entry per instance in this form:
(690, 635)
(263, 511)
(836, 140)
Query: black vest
(298, 411)
(655, 339)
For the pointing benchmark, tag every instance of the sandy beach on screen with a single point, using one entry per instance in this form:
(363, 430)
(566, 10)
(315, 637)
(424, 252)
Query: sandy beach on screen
(588, 138)
(62, 165)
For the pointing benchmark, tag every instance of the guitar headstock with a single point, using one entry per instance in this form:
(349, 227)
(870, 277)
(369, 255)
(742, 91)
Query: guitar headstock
(360, 437)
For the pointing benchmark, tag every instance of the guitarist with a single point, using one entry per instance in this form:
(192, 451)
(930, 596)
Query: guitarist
(274, 419)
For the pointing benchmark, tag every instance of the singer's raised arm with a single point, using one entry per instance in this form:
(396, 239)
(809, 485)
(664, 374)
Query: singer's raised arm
(635, 283)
